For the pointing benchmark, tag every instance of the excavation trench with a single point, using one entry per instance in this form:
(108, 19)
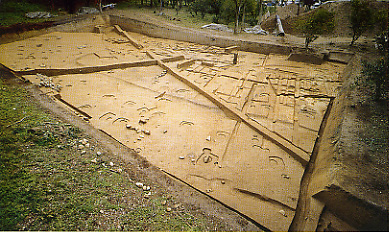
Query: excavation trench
(241, 133)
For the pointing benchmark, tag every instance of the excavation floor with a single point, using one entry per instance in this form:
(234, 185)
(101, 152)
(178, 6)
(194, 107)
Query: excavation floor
(241, 133)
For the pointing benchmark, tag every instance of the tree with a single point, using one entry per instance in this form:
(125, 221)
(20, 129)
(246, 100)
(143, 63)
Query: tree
(236, 10)
(206, 6)
(238, 7)
(320, 22)
(361, 18)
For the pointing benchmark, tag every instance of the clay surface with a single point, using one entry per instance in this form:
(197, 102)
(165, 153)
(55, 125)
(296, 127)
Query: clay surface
(239, 133)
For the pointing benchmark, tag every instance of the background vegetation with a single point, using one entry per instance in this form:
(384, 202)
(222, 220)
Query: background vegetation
(12, 12)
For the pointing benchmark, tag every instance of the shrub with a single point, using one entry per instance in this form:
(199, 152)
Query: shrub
(318, 23)
(378, 72)
(361, 18)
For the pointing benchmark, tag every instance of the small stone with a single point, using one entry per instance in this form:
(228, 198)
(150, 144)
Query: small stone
(223, 182)
(139, 139)
(141, 136)
(165, 131)
(111, 164)
(104, 165)
(128, 126)
(208, 138)
(87, 145)
(94, 160)
(119, 170)
(98, 153)
(168, 209)
(182, 157)
(83, 152)
(283, 213)
(147, 132)
(84, 141)
(139, 184)
(101, 211)
(80, 146)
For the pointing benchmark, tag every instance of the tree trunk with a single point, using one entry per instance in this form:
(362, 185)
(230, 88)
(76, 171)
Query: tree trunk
(100, 7)
(260, 13)
(244, 14)
(237, 13)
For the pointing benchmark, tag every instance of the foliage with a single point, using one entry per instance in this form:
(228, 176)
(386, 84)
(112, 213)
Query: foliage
(378, 72)
(361, 18)
(239, 11)
(320, 22)
(228, 11)
(205, 6)
(381, 19)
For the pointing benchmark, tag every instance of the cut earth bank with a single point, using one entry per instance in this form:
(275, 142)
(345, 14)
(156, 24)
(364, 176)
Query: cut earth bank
(262, 136)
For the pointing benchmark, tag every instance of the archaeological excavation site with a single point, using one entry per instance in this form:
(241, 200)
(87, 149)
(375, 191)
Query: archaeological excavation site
(252, 125)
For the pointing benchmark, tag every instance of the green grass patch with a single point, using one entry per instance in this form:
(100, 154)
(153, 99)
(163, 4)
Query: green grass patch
(12, 12)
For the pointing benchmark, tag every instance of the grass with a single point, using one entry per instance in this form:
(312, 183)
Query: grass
(48, 183)
(12, 12)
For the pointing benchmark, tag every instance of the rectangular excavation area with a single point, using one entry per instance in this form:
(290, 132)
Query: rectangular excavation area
(241, 133)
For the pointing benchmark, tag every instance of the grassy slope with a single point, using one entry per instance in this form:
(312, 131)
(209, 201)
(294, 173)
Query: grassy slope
(12, 12)
(48, 183)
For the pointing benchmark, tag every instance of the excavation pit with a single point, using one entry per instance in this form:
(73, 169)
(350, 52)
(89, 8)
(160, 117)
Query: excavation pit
(242, 133)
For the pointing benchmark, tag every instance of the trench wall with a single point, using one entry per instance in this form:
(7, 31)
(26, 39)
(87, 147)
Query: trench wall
(84, 23)
(195, 36)
(329, 178)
